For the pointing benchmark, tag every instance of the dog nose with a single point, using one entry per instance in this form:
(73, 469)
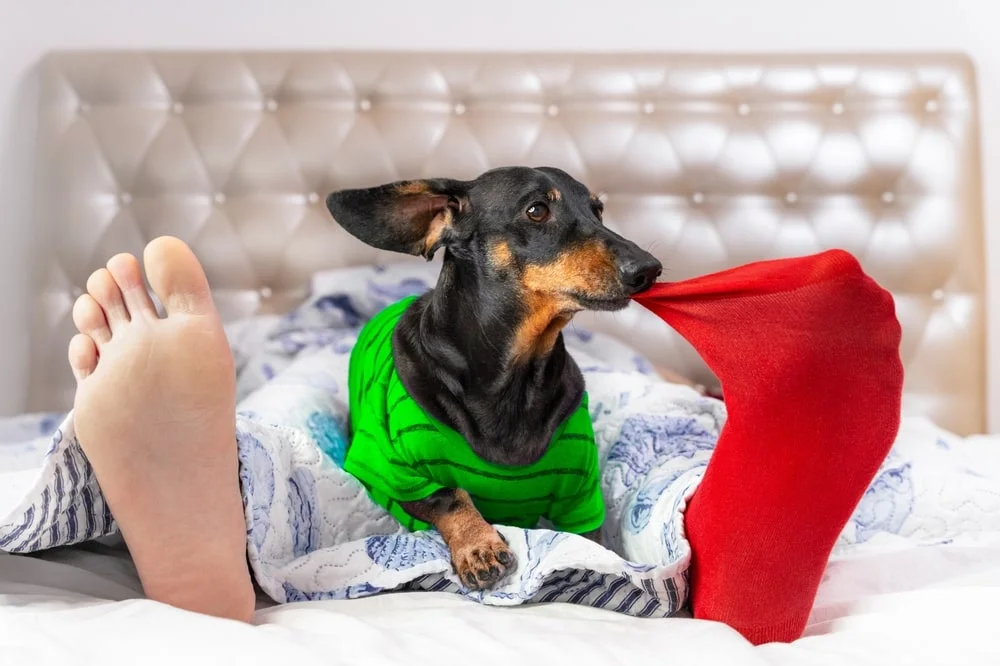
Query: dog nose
(638, 276)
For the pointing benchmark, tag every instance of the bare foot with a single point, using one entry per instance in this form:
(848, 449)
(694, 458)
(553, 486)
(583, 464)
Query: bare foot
(155, 414)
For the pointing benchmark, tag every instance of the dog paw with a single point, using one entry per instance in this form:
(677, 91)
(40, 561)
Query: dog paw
(484, 561)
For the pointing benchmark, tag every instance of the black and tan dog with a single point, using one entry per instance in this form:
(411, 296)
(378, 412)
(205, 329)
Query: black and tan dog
(483, 353)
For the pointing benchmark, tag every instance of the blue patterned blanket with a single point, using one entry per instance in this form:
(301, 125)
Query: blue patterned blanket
(313, 533)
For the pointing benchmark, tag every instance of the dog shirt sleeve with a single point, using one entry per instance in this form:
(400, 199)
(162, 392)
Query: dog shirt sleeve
(579, 504)
(375, 457)
(385, 469)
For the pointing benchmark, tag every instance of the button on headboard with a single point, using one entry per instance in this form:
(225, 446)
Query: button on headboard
(710, 161)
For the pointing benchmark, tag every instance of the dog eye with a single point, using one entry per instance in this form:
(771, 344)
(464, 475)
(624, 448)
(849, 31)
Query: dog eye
(537, 212)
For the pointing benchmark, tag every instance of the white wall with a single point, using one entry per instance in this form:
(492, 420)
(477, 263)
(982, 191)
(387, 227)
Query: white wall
(28, 28)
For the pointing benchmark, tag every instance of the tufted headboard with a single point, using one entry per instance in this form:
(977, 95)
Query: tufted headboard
(710, 161)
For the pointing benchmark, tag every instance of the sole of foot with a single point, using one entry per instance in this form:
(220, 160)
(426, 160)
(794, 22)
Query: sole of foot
(155, 414)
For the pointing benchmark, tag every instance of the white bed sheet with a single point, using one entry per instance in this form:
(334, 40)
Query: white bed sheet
(888, 605)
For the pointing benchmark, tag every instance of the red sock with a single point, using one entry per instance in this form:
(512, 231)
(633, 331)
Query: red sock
(807, 351)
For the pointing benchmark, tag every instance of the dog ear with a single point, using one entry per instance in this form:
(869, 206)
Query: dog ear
(413, 216)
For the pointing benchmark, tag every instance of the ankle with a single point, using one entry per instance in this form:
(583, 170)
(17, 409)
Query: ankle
(228, 595)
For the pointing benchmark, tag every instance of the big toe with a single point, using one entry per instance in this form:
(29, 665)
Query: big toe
(177, 277)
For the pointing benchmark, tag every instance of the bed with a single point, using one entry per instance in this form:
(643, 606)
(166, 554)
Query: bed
(710, 161)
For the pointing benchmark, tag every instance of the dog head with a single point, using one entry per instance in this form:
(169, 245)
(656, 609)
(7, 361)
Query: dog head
(537, 232)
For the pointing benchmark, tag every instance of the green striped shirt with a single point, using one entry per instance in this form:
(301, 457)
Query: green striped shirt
(403, 454)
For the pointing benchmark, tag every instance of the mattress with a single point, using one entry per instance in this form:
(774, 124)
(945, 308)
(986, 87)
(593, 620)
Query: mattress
(888, 606)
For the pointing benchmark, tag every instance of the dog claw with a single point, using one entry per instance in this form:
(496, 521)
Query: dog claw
(482, 564)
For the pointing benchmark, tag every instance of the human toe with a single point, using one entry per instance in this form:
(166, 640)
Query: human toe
(102, 287)
(177, 277)
(124, 268)
(82, 356)
(89, 318)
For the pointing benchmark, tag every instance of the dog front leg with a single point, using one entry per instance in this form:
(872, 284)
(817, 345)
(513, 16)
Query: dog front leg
(479, 554)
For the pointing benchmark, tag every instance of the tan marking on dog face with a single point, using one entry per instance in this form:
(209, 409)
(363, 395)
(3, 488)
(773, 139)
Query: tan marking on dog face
(588, 270)
(554, 195)
(413, 187)
(501, 256)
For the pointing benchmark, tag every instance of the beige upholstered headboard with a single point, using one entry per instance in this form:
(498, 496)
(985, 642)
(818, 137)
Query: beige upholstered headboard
(710, 161)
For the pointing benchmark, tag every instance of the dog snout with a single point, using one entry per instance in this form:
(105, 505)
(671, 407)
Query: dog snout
(639, 274)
